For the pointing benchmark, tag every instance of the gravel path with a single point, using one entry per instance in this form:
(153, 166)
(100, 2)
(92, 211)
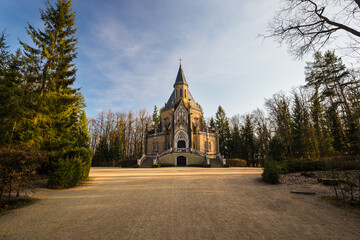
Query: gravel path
(178, 203)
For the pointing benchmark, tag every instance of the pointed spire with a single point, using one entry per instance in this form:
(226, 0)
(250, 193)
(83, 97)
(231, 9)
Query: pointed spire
(180, 79)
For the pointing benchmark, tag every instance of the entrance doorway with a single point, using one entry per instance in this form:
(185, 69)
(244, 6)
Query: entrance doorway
(181, 144)
(181, 161)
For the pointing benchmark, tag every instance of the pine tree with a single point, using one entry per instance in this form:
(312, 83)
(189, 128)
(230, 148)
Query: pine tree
(327, 75)
(50, 65)
(11, 92)
(222, 123)
(300, 129)
(248, 139)
(155, 117)
(236, 143)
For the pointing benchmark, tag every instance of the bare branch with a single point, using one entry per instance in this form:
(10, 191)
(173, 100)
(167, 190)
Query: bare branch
(306, 25)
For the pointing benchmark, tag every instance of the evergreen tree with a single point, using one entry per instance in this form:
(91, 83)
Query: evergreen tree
(236, 143)
(327, 75)
(248, 138)
(11, 92)
(276, 149)
(222, 123)
(56, 107)
(155, 117)
(300, 129)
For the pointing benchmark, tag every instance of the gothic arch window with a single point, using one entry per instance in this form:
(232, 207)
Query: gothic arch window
(209, 146)
(181, 93)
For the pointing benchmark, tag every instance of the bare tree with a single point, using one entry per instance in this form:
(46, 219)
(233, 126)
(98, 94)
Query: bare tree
(308, 25)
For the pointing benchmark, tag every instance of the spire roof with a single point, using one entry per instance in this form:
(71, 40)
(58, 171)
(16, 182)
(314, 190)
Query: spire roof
(180, 79)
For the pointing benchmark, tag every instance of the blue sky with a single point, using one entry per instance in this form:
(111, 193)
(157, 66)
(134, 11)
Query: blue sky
(128, 51)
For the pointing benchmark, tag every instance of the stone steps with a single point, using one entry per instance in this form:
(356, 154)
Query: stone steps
(215, 163)
(147, 163)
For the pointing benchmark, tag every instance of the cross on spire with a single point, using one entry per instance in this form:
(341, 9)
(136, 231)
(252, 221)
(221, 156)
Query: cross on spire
(180, 60)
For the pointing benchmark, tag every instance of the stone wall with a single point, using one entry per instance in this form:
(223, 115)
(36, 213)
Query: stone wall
(191, 158)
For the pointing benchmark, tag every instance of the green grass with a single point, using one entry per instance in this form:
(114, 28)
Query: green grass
(15, 203)
(353, 206)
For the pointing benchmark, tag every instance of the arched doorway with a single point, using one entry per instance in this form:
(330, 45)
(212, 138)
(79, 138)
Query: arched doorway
(181, 139)
(180, 161)
(181, 144)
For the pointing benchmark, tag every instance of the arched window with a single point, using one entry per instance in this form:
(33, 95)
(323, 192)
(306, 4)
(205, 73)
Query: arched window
(185, 93)
(181, 92)
(209, 146)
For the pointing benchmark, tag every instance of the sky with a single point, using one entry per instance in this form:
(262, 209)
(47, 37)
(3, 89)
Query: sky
(129, 51)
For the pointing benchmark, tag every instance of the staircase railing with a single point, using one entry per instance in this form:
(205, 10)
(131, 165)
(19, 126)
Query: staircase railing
(166, 152)
(141, 160)
(222, 160)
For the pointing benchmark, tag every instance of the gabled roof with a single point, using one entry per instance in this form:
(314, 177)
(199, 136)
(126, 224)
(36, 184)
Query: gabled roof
(180, 79)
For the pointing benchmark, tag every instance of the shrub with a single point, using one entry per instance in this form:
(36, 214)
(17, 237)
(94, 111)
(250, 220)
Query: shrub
(136, 166)
(18, 169)
(128, 163)
(298, 165)
(65, 173)
(271, 172)
(85, 156)
(206, 165)
(226, 165)
(156, 166)
(236, 162)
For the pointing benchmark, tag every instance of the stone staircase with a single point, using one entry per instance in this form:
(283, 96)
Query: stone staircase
(147, 163)
(215, 163)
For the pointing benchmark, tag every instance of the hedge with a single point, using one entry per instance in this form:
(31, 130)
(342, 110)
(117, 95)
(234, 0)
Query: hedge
(70, 169)
(235, 162)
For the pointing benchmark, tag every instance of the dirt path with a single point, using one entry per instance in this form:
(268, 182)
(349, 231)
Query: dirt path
(178, 203)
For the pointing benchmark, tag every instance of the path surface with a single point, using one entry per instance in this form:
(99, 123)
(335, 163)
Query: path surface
(178, 203)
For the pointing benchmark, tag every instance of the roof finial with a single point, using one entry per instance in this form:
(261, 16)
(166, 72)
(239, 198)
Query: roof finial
(180, 61)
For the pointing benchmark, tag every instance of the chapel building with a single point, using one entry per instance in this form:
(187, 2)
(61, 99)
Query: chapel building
(181, 138)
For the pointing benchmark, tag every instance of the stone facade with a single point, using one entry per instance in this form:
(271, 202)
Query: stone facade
(182, 136)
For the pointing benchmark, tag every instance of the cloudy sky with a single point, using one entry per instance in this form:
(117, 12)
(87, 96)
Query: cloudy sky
(128, 51)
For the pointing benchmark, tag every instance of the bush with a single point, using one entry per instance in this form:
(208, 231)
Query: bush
(206, 165)
(271, 172)
(85, 156)
(128, 163)
(236, 162)
(136, 166)
(65, 173)
(18, 169)
(291, 166)
(226, 165)
(156, 166)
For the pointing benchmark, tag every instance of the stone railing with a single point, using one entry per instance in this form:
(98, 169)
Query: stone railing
(197, 152)
(166, 152)
(222, 160)
(141, 160)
